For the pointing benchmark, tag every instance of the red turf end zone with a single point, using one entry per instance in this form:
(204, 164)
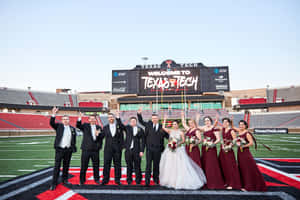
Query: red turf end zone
(62, 192)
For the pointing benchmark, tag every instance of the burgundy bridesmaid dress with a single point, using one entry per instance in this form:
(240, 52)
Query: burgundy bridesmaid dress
(251, 177)
(210, 164)
(195, 153)
(228, 164)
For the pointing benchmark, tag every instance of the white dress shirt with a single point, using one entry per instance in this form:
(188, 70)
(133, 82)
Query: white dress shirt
(112, 128)
(155, 127)
(135, 132)
(93, 128)
(66, 138)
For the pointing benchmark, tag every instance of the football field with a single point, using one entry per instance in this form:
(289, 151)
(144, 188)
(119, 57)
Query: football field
(23, 155)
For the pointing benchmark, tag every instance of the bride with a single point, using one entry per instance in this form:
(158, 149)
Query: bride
(177, 169)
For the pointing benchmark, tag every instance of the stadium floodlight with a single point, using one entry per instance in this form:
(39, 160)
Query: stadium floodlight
(145, 59)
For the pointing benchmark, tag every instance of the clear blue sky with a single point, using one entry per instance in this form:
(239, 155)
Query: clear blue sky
(75, 44)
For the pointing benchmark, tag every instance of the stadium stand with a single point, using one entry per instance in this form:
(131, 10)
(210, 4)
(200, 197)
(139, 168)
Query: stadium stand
(275, 120)
(30, 121)
(258, 120)
(283, 94)
(47, 98)
(15, 96)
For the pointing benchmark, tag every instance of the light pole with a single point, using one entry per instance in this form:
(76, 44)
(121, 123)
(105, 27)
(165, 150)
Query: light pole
(145, 59)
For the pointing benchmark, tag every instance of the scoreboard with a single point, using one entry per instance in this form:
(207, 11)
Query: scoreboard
(169, 81)
(170, 78)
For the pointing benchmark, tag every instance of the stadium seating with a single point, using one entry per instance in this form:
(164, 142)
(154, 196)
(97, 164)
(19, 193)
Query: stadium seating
(275, 120)
(46, 98)
(14, 96)
(283, 94)
(30, 121)
(261, 120)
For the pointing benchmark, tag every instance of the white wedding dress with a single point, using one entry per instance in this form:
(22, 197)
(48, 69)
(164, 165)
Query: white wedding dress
(178, 170)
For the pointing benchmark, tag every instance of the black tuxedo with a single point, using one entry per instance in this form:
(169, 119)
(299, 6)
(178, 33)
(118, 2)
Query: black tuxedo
(62, 154)
(112, 151)
(132, 156)
(154, 139)
(90, 149)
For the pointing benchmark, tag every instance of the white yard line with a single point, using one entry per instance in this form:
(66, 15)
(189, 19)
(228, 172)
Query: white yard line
(41, 165)
(26, 170)
(21, 150)
(26, 159)
(279, 140)
(34, 143)
(8, 176)
(66, 195)
(284, 149)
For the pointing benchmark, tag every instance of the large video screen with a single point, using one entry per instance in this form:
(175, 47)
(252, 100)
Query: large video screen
(169, 81)
(177, 80)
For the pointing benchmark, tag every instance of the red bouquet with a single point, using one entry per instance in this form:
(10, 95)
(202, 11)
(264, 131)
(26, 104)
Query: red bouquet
(172, 144)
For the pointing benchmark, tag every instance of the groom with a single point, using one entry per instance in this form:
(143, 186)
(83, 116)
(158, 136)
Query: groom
(154, 136)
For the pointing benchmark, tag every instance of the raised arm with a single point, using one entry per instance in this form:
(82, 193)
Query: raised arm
(198, 116)
(218, 138)
(182, 137)
(140, 117)
(198, 134)
(164, 125)
(216, 121)
(250, 139)
(119, 121)
(52, 119)
(233, 134)
(78, 123)
(232, 125)
(185, 126)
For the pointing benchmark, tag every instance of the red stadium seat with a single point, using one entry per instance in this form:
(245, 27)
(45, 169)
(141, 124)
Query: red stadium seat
(30, 121)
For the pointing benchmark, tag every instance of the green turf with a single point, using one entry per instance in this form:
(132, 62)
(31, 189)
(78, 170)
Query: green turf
(41, 150)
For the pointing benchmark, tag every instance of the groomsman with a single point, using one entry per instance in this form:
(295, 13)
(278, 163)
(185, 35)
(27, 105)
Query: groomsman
(90, 146)
(154, 136)
(134, 145)
(64, 144)
(114, 141)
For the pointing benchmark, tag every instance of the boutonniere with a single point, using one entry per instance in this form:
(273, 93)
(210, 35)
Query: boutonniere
(118, 126)
(139, 129)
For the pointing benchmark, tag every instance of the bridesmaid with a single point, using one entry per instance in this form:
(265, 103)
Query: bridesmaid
(251, 177)
(227, 159)
(192, 131)
(209, 156)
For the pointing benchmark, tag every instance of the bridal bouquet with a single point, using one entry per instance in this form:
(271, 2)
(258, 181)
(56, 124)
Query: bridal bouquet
(191, 140)
(208, 143)
(239, 142)
(172, 144)
(227, 145)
